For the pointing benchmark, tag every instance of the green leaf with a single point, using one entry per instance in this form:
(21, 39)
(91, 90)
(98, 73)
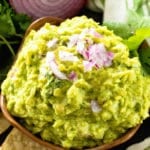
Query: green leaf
(7, 27)
(12, 29)
(136, 40)
(6, 24)
(21, 22)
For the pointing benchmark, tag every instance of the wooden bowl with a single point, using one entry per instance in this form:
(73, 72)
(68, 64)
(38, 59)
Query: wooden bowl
(130, 133)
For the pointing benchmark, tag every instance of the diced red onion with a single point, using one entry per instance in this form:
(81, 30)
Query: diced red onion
(81, 47)
(52, 43)
(108, 62)
(99, 55)
(72, 76)
(88, 65)
(92, 32)
(50, 59)
(41, 8)
(73, 40)
(95, 106)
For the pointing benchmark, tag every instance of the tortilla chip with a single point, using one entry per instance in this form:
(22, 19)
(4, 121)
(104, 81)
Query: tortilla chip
(3, 124)
(18, 141)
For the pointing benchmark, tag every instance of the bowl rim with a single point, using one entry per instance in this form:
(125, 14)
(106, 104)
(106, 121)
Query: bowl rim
(37, 24)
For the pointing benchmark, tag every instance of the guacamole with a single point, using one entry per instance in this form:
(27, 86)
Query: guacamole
(75, 85)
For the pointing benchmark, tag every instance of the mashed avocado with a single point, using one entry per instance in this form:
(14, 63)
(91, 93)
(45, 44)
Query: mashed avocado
(75, 85)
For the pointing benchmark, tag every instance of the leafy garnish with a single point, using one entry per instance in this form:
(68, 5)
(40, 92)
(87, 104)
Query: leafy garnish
(135, 29)
(128, 28)
(133, 42)
(137, 16)
(12, 29)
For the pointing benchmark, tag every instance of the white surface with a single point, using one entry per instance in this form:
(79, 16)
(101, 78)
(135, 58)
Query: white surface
(140, 146)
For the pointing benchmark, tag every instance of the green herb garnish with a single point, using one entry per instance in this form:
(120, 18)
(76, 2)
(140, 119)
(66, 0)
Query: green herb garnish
(135, 29)
(12, 29)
